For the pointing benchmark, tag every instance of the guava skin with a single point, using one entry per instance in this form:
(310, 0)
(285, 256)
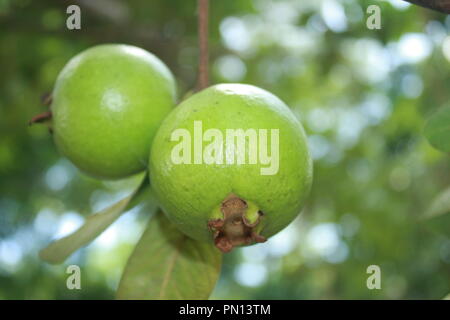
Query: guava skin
(107, 104)
(191, 194)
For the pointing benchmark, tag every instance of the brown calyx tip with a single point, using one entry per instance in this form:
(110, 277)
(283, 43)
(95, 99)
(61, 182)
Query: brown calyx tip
(42, 117)
(46, 100)
(234, 229)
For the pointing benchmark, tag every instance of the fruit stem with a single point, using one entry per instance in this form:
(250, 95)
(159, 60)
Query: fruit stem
(203, 17)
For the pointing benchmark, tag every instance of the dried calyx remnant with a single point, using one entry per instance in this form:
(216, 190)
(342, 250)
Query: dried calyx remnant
(234, 229)
(46, 100)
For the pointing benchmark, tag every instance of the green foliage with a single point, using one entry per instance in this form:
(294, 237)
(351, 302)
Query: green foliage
(437, 130)
(58, 251)
(362, 98)
(166, 264)
(440, 205)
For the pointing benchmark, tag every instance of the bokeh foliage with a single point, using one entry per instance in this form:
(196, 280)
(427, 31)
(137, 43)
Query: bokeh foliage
(363, 96)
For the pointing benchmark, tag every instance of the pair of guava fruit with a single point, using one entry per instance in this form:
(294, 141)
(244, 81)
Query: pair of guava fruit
(209, 158)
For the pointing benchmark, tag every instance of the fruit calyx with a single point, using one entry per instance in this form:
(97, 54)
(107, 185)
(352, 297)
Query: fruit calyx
(46, 100)
(235, 228)
(42, 117)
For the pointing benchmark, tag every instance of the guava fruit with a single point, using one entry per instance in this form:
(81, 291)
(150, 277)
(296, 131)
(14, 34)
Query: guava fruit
(107, 104)
(231, 163)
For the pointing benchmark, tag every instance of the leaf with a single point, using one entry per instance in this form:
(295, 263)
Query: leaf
(59, 250)
(447, 297)
(439, 206)
(437, 129)
(166, 264)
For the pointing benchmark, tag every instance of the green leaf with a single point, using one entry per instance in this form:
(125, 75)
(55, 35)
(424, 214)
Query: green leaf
(166, 264)
(59, 250)
(439, 206)
(437, 129)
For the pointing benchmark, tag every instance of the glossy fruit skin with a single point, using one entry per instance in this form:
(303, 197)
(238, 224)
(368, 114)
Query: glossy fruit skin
(190, 193)
(108, 102)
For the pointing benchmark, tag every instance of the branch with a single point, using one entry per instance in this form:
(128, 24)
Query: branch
(203, 10)
(437, 5)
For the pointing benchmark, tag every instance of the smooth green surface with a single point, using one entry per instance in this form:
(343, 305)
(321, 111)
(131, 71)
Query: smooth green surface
(437, 129)
(166, 264)
(189, 193)
(108, 102)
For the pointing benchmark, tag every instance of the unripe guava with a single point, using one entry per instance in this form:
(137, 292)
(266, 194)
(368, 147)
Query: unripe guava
(108, 102)
(213, 188)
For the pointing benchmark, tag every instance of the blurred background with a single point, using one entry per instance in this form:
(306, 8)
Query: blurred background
(363, 96)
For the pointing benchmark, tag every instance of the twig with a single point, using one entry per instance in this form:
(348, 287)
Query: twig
(203, 62)
(437, 5)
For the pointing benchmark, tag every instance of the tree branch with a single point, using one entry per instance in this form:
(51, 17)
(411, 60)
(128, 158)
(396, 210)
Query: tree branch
(437, 5)
(203, 62)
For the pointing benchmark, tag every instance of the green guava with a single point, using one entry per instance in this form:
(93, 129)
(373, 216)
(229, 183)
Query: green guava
(231, 163)
(107, 104)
